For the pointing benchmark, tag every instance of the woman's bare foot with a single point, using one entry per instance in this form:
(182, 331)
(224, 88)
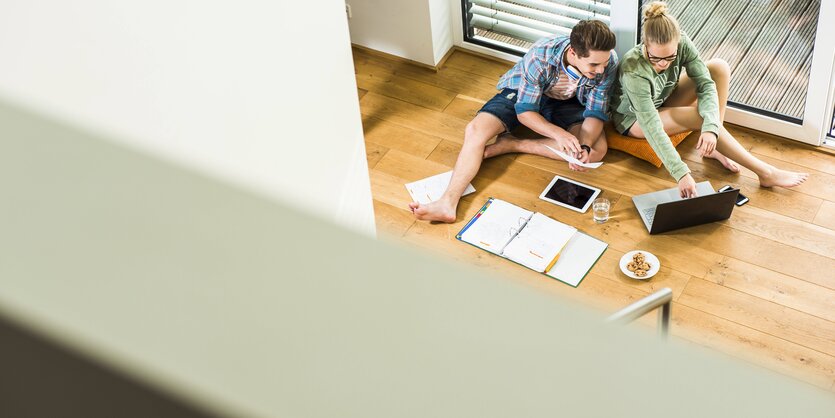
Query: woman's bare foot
(727, 162)
(782, 178)
(504, 144)
(440, 211)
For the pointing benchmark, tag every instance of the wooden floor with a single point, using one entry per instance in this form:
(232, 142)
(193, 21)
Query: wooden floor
(759, 286)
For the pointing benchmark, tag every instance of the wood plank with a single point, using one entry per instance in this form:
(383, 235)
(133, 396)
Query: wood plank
(768, 317)
(747, 247)
(754, 272)
(389, 189)
(464, 107)
(774, 287)
(415, 117)
(692, 19)
(766, 46)
(522, 183)
(783, 80)
(753, 346)
(719, 25)
(744, 32)
(445, 153)
(609, 266)
(826, 215)
(779, 228)
(477, 65)
(394, 136)
(785, 150)
(392, 222)
(408, 167)
(380, 80)
(361, 92)
(821, 185)
(594, 291)
(448, 78)
(779, 200)
(373, 153)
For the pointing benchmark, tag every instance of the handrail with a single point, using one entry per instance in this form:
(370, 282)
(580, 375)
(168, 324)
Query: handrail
(662, 298)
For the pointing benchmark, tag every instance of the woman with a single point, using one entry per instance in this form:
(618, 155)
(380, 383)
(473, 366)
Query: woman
(652, 97)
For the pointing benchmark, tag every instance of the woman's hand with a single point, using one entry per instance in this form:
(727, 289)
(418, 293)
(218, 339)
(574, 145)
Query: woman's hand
(687, 186)
(707, 143)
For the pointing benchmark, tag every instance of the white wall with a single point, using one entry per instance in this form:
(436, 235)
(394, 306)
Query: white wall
(440, 20)
(419, 30)
(230, 88)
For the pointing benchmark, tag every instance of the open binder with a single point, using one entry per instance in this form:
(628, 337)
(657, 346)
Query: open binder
(533, 240)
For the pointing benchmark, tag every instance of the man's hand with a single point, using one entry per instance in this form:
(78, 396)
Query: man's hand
(687, 186)
(707, 143)
(583, 156)
(568, 144)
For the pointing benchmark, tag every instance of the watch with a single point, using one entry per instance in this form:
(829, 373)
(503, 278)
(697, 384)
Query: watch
(586, 147)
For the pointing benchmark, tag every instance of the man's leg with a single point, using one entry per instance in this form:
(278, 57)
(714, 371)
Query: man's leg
(506, 144)
(483, 127)
(685, 95)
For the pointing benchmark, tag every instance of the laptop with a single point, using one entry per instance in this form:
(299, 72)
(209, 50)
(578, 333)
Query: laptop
(665, 210)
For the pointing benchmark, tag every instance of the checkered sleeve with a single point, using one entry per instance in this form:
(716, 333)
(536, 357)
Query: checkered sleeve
(531, 83)
(597, 103)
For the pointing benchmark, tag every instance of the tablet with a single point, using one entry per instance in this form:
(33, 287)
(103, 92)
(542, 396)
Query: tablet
(570, 194)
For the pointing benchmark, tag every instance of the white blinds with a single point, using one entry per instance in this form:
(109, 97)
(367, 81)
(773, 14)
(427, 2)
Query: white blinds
(528, 20)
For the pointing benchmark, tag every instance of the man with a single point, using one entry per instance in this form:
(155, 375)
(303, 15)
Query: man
(559, 89)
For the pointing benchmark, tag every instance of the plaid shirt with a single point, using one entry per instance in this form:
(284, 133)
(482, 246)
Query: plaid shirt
(540, 69)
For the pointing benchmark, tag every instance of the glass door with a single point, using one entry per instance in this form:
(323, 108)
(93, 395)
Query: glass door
(781, 60)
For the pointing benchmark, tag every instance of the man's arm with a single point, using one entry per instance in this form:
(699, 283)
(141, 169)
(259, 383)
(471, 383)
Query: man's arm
(568, 143)
(590, 131)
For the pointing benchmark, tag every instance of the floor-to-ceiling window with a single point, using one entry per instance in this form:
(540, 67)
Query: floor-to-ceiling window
(513, 25)
(768, 44)
(781, 60)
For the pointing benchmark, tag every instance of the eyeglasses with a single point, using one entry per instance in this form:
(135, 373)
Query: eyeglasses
(655, 60)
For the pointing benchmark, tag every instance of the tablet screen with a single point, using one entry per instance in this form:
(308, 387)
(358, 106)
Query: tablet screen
(570, 194)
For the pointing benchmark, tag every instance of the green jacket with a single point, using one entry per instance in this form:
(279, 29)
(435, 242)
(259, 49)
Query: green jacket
(639, 91)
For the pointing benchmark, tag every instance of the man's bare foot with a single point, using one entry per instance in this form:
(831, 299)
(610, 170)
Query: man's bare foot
(503, 145)
(782, 178)
(436, 211)
(727, 162)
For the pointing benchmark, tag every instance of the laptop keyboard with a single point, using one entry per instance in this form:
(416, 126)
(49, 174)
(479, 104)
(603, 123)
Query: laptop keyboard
(649, 214)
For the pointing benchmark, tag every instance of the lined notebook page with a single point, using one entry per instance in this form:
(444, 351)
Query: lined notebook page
(499, 223)
(577, 258)
(539, 242)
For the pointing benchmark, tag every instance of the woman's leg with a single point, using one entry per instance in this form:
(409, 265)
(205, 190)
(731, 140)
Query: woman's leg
(681, 119)
(685, 95)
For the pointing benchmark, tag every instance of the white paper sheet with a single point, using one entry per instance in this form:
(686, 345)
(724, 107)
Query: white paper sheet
(432, 188)
(496, 226)
(573, 160)
(540, 241)
(577, 258)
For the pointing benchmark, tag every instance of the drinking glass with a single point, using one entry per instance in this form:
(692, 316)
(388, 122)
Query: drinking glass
(600, 208)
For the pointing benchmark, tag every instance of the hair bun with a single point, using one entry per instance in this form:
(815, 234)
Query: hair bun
(655, 9)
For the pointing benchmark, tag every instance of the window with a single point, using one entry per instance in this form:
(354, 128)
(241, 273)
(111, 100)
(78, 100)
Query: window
(768, 44)
(514, 25)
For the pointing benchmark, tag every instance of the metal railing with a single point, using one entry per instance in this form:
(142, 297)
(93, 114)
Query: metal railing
(661, 299)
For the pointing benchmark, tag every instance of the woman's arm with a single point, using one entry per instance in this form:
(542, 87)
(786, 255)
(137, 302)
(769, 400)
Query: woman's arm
(640, 96)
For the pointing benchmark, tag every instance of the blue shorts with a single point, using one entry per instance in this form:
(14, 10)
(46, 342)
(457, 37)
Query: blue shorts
(563, 113)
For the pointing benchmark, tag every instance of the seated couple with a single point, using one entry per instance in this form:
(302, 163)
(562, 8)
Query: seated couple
(561, 90)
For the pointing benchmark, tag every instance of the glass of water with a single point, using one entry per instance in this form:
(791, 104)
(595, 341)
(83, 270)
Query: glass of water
(600, 208)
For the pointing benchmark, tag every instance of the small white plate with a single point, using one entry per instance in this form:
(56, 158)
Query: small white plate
(655, 265)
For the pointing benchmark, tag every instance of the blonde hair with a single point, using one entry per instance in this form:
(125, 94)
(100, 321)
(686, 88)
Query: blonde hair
(659, 27)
